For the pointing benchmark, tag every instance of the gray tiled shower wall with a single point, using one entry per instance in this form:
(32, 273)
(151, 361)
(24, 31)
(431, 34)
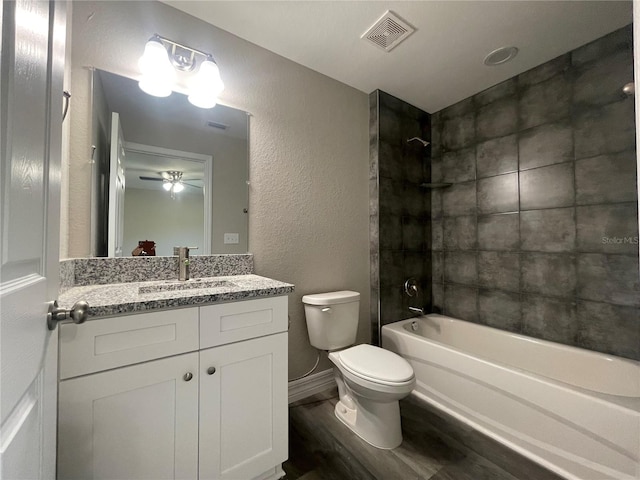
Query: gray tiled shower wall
(400, 227)
(538, 234)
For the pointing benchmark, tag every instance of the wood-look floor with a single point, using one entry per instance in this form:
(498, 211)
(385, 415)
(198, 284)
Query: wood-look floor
(322, 448)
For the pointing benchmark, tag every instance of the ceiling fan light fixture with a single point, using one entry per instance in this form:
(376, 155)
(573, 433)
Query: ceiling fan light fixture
(172, 182)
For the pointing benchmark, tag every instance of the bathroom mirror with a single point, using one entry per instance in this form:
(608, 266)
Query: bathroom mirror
(166, 172)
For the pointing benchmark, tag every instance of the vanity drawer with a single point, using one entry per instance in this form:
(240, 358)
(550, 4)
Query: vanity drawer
(236, 321)
(113, 342)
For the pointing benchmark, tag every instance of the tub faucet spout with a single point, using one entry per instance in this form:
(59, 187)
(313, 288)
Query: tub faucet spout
(417, 311)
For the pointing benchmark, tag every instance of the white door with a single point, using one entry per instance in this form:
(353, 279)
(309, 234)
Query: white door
(137, 422)
(30, 141)
(243, 408)
(116, 188)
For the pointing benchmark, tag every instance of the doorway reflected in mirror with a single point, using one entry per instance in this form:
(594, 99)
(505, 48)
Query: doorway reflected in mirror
(183, 172)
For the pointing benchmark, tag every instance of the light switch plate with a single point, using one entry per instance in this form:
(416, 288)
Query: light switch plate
(231, 238)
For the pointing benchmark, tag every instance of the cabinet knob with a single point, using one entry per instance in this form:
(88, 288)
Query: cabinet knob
(187, 376)
(211, 370)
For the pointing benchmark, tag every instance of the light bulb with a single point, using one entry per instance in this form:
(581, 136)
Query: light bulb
(158, 75)
(167, 185)
(206, 85)
(154, 86)
(155, 57)
(178, 187)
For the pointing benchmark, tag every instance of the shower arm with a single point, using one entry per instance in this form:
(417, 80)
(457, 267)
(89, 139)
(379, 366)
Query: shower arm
(423, 142)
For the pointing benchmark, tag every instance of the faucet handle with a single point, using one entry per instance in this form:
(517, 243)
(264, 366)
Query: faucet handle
(411, 287)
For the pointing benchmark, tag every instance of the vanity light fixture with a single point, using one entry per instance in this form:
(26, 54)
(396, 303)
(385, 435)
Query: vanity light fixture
(159, 62)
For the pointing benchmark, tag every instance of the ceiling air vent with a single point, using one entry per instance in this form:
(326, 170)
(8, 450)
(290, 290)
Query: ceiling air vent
(213, 124)
(388, 32)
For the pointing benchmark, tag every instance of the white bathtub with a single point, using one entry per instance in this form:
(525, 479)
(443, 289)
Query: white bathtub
(574, 411)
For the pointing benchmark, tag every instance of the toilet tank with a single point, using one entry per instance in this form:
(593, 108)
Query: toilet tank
(332, 319)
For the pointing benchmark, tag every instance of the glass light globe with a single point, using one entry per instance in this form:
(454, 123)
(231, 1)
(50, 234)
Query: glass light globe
(154, 86)
(206, 85)
(158, 75)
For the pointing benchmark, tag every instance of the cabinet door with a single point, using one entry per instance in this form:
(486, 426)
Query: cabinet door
(137, 422)
(243, 408)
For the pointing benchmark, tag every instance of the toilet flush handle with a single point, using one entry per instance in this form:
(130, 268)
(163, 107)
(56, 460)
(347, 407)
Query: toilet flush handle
(326, 309)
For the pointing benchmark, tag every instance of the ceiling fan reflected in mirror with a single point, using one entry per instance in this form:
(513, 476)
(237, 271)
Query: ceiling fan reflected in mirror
(172, 181)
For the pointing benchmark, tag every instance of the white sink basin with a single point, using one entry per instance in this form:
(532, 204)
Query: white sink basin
(186, 285)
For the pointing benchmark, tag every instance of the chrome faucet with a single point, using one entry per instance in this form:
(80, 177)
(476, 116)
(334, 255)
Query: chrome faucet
(417, 311)
(183, 261)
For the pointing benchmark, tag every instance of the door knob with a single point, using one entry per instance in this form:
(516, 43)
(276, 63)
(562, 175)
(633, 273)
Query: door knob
(211, 370)
(187, 376)
(78, 313)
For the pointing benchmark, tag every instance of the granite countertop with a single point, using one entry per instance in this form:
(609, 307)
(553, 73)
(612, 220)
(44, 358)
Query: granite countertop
(119, 298)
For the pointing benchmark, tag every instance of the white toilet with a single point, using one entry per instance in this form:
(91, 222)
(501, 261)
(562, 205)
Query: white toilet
(370, 380)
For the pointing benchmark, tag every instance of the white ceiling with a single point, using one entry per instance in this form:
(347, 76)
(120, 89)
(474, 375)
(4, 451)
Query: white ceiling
(440, 64)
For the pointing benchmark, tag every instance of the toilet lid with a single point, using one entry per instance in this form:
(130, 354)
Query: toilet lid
(331, 298)
(376, 363)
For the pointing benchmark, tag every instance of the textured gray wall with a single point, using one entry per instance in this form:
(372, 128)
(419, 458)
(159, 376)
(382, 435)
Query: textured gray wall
(308, 211)
(539, 232)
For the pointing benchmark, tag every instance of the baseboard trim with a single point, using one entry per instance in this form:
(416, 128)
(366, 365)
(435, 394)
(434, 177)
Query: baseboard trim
(307, 386)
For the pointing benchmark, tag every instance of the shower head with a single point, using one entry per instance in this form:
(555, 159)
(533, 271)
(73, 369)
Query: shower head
(423, 142)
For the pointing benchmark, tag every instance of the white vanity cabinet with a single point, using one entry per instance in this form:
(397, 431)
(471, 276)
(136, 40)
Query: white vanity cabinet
(130, 423)
(194, 393)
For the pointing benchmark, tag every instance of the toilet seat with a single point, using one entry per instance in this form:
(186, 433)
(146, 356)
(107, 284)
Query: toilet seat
(376, 365)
